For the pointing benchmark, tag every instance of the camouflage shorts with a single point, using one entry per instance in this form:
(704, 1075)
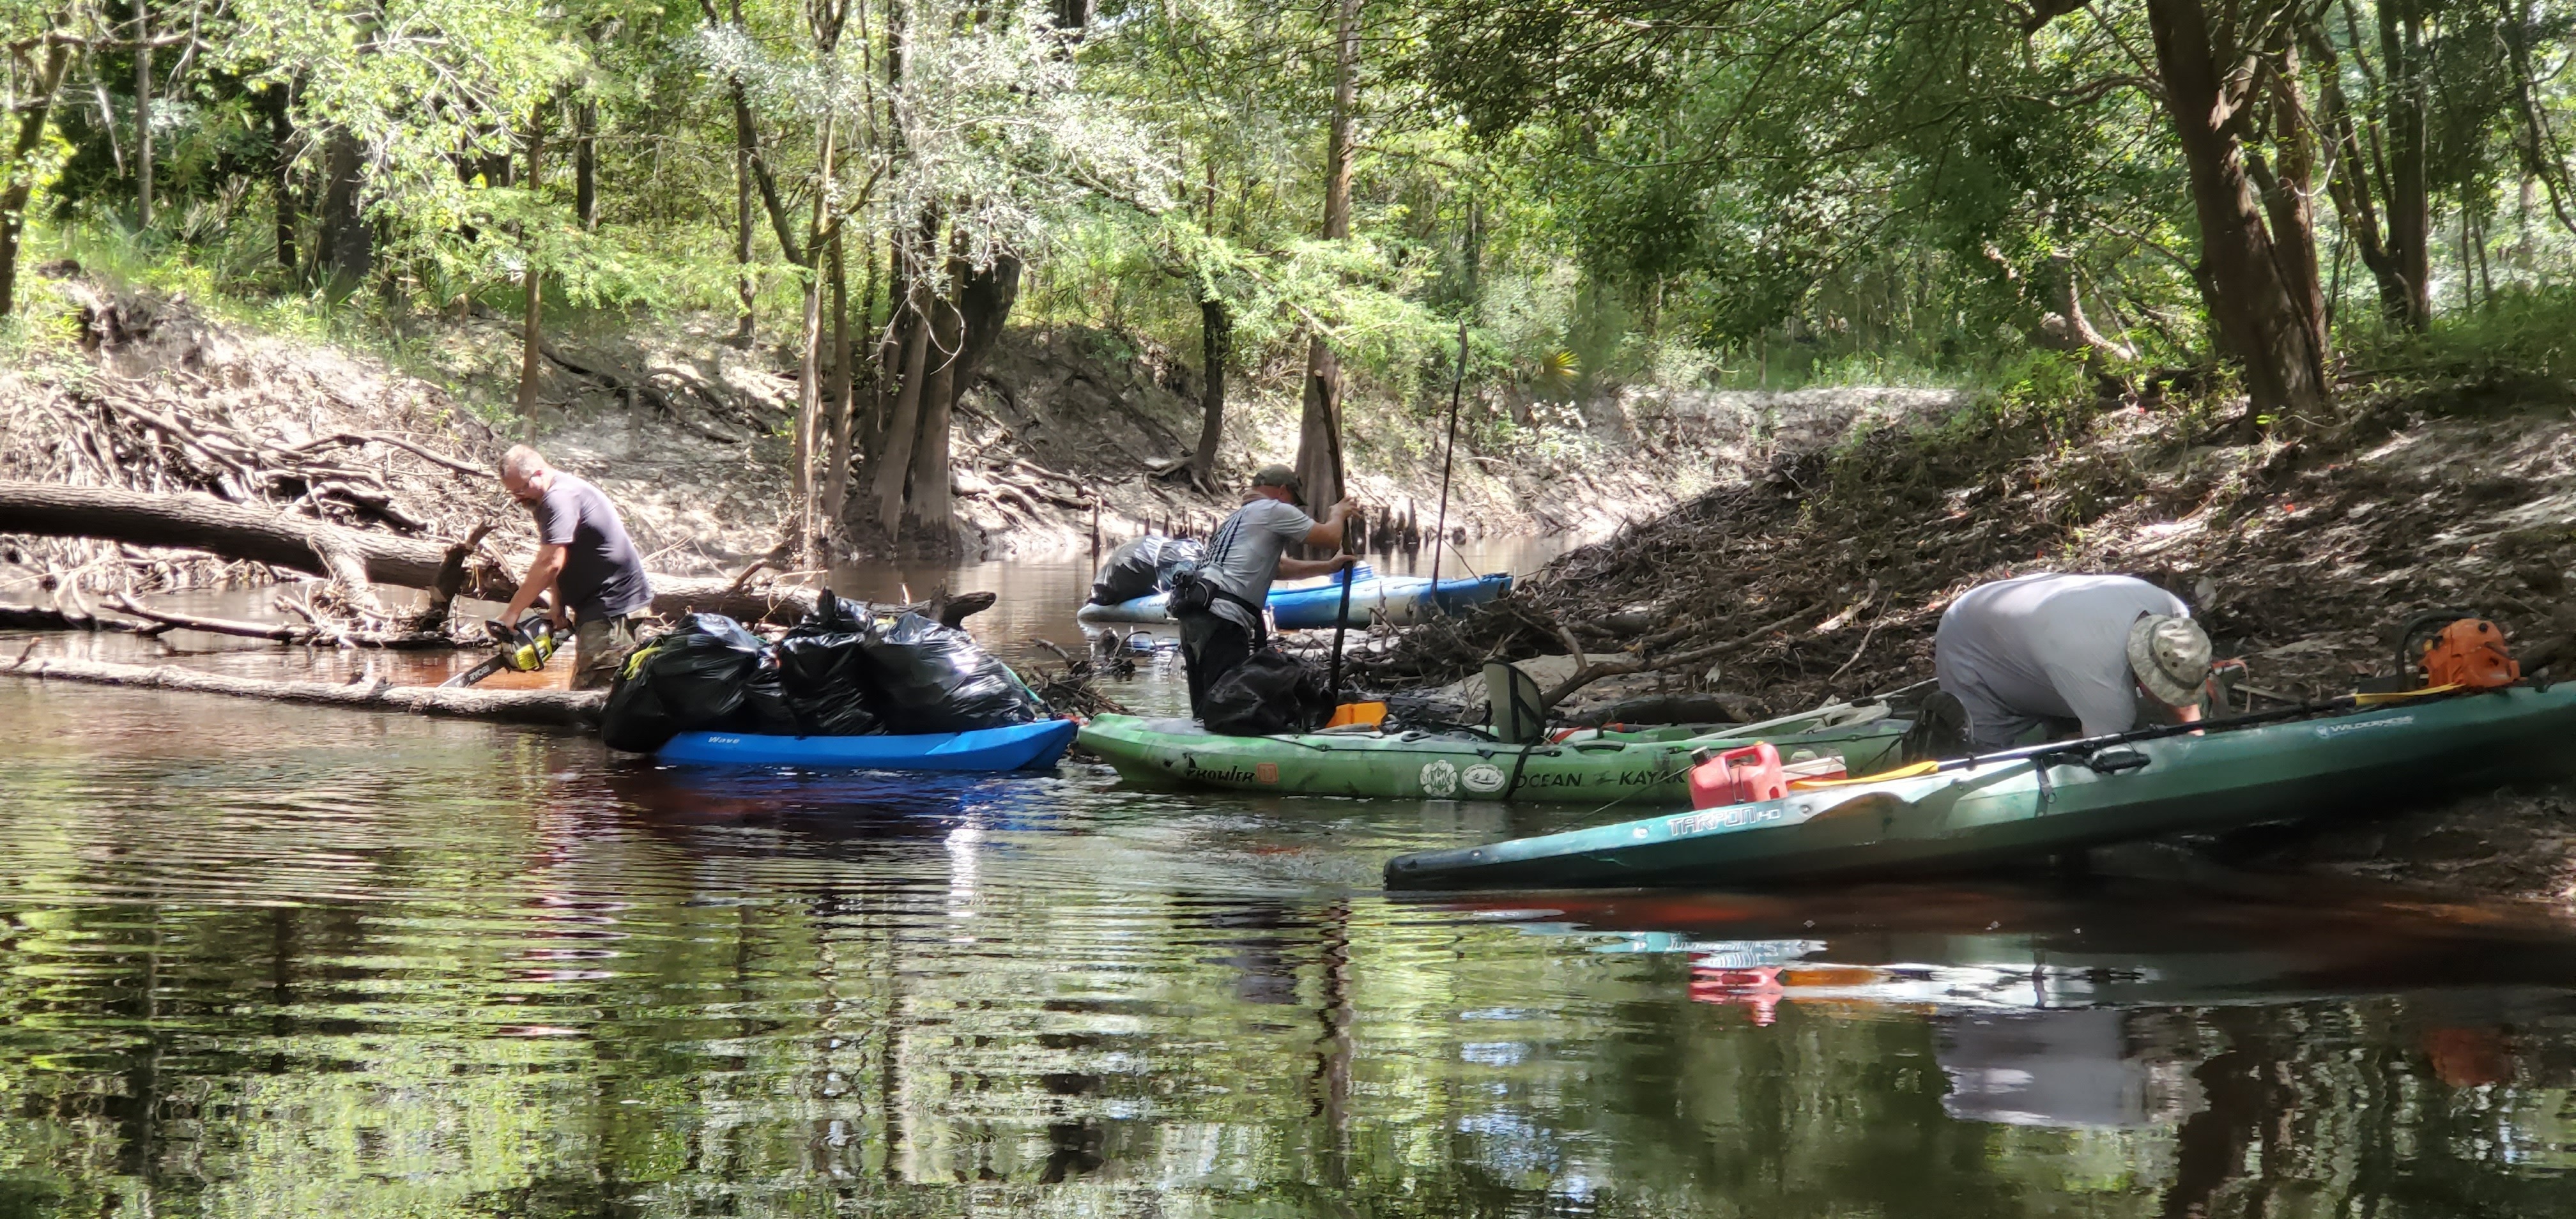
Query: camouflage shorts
(599, 645)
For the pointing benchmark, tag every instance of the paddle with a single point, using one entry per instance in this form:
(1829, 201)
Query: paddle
(2083, 746)
(1341, 622)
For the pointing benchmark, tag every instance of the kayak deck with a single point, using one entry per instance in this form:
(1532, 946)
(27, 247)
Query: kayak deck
(2021, 808)
(1017, 747)
(1590, 767)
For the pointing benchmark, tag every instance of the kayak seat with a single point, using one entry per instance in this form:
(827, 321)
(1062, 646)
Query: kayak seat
(1519, 715)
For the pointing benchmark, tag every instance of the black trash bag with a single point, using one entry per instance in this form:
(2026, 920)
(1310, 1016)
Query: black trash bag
(823, 673)
(1179, 555)
(1130, 571)
(930, 678)
(693, 677)
(1269, 693)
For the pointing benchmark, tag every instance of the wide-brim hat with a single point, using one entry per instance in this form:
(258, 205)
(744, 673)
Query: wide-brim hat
(2170, 655)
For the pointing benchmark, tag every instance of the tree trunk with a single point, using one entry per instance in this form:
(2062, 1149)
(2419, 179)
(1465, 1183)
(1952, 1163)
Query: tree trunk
(532, 326)
(281, 133)
(894, 462)
(836, 480)
(13, 197)
(809, 382)
(2254, 304)
(1319, 426)
(984, 300)
(143, 112)
(744, 286)
(930, 512)
(1216, 347)
(202, 522)
(348, 241)
(2410, 197)
(585, 165)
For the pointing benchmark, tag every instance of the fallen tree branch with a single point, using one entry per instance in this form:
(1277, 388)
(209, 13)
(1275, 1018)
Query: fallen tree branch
(549, 708)
(38, 618)
(468, 469)
(284, 632)
(355, 557)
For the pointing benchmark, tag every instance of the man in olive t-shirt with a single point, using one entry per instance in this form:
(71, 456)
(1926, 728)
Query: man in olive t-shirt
(585, 559)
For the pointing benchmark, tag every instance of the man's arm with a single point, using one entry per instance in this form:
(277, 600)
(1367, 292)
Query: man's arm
(1327, 533)
(542, 571)
(1299, 569)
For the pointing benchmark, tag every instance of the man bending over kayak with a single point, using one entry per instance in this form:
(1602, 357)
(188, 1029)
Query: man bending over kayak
(2075, 655)
(1243, 556)
(584, 559)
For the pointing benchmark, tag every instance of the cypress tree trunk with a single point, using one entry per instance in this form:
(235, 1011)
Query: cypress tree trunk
(894, 461)
(929, 515)
(1319, 425)
(21, 182)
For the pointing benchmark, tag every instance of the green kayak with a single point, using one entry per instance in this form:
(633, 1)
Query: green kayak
(2021, 807)
(1588, 767)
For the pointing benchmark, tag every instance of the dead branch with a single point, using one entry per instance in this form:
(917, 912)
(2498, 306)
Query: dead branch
(550, 708)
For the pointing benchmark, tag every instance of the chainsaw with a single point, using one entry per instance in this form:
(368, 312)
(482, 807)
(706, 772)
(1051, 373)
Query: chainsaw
(524, 650)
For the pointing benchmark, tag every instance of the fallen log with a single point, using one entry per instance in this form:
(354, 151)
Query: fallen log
(548, 708)
(39, 618)
(287, 632)
(356, 558)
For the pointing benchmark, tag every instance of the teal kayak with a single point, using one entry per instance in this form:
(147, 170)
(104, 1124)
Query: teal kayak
(2025, 807)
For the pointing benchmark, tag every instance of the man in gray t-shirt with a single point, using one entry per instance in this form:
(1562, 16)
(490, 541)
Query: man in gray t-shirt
(2075, 653)
(1243, 556)
(585, 558)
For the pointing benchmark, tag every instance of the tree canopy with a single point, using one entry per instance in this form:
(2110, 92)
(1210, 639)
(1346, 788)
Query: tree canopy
(1683, 191)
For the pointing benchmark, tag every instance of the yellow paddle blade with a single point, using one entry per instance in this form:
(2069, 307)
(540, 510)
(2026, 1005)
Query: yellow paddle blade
(2399, 696)
(1902, 772)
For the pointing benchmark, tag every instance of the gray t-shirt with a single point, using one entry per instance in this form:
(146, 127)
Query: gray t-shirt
(2045, 647)
(1243, 554)
(602, 576)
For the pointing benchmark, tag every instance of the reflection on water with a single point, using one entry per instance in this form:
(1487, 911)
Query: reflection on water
(280, 961)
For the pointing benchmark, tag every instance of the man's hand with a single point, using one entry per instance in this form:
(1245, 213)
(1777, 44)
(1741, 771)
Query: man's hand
(1346, 562)
(1349, 505)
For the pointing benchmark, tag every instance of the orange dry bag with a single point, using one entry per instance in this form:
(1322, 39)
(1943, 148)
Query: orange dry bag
(2470, 654)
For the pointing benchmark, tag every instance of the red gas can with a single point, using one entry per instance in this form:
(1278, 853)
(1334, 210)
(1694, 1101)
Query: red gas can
(1737, 776)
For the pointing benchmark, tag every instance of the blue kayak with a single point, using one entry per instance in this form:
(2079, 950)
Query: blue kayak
(1309, 604)
(1395, 600)
(1018, 747)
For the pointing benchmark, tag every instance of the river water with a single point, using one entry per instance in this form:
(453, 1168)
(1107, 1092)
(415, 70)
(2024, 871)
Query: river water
(268, 960)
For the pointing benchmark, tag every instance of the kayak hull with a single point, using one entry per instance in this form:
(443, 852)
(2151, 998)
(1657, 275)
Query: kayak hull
(1394, 600)
(1593, 768)
(2018, 809)
(1017, 747)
